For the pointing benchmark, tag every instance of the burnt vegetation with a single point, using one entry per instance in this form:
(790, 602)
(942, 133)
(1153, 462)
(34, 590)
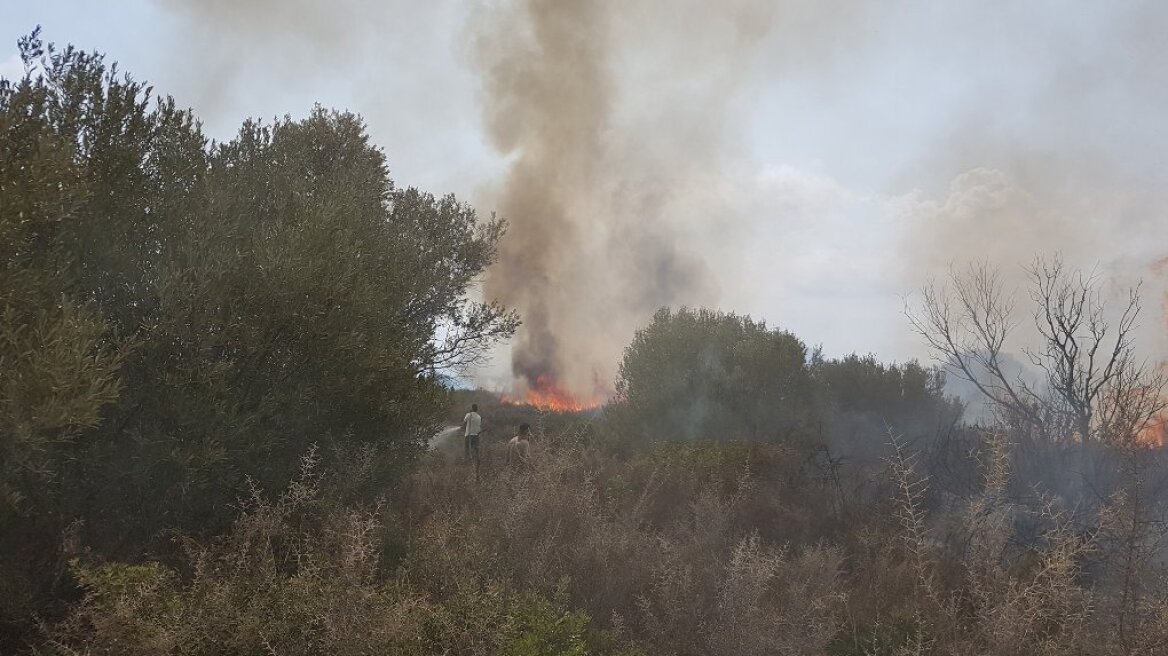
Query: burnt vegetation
(223, 370)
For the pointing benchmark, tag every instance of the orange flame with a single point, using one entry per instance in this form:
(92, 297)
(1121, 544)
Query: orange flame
(1155, 434)
(547, 395)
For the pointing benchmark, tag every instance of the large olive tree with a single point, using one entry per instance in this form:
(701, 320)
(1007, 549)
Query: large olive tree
(178, 317)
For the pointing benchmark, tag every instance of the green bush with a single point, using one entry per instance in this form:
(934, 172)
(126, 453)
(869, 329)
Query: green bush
(179, 316)
(703, 374)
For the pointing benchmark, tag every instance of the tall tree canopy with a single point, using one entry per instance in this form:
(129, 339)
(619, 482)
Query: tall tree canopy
(702, 374)
(178, 316)
(706, 374)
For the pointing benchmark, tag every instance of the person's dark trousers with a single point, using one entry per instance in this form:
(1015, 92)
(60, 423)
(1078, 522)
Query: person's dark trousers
(471, 442)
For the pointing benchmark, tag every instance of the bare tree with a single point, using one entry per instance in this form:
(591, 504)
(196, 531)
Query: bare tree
(1093, 383)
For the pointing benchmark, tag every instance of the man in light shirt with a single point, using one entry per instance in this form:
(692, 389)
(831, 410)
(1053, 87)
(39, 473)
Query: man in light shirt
(474, 425)
(519, 448)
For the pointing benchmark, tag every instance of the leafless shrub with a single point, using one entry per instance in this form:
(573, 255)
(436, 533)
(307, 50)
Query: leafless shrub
(1093, 384)
(1134, 587)
(772, 603)
(1007, 599)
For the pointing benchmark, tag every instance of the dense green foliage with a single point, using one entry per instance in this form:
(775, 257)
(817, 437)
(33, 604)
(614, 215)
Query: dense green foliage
(710, 375)
(693, 372)
(179, 316)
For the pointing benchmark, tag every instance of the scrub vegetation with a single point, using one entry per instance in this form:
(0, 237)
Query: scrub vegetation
(223, 367)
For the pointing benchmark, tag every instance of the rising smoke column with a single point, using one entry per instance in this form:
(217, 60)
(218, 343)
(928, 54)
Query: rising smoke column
(619, 118)
(549, 102)
(597, 162)
(1062, 155)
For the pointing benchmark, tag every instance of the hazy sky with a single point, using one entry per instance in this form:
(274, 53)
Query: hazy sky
(867, 145)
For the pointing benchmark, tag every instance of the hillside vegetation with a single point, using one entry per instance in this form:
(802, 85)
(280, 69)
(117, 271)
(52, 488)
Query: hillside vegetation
(224, 365)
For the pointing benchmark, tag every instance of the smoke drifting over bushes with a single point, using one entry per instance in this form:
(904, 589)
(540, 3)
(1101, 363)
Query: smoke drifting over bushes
(1060, 154)
(590, 253)
(805, 162)
(612, 113)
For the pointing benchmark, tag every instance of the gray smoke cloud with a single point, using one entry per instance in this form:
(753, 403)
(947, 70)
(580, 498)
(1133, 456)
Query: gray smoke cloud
(1065, 157)
(810, 162)
(610, 115)
(613, 114)
(587, 255)
(398, 63)
(292, 43)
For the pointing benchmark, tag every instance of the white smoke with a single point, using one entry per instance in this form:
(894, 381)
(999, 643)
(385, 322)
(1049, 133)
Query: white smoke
(807, 162)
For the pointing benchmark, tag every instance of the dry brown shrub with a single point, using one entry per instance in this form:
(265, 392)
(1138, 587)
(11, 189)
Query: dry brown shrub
(772, 603)
(1003, 598)
(663, 546)
(294, 576)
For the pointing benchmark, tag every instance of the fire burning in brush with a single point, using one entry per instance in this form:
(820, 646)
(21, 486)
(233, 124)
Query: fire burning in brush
(1155, 434)
(1139, 404)
(546, 394)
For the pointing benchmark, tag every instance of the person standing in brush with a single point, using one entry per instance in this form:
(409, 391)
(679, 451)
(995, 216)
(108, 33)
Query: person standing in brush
(474, 425)
(519, 448)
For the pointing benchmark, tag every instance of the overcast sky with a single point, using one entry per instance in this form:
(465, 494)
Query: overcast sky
(871, 144)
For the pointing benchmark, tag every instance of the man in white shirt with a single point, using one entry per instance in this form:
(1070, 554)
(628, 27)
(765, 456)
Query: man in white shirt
(474, 425)
(519, 448)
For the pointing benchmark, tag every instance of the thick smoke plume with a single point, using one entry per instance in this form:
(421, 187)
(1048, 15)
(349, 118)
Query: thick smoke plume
(616, 119)
(599, 161)
(1061, 155)
(806, 161)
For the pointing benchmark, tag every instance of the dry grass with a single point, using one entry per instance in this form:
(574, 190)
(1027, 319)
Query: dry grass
(687, 549)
